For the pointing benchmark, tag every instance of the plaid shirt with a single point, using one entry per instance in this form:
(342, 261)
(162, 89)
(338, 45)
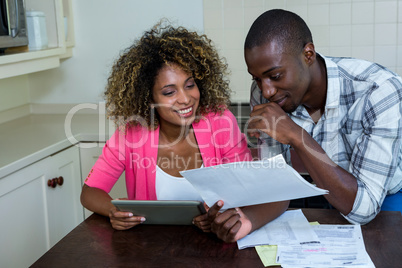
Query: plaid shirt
(360, 130)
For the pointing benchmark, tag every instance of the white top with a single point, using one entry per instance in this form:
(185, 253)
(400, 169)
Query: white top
(169, 187)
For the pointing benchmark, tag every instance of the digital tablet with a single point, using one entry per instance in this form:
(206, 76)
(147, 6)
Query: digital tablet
(162, 212)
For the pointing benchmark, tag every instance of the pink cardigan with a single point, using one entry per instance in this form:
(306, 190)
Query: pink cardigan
(219, 140)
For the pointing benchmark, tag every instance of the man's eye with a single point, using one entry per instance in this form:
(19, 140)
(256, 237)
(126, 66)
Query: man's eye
(275, 77)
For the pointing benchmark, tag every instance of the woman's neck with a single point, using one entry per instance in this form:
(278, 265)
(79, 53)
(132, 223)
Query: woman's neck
(171, 134)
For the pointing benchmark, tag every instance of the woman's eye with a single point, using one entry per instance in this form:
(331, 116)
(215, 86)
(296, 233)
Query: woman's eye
(167, 93)
(191, 85)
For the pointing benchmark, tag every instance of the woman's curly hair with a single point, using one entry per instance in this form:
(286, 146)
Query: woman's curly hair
(129, 88)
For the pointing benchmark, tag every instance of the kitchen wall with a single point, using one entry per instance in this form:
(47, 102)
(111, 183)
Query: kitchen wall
(103, 28)
(368, 29)
(14, 92)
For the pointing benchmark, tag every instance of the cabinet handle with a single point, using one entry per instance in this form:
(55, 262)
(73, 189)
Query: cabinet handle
(53, 182)
(60, 180)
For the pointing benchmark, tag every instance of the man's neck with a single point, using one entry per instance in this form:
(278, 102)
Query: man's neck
(315, 105)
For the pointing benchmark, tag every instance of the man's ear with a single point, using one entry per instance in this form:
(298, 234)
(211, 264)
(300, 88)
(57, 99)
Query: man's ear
(309, 53)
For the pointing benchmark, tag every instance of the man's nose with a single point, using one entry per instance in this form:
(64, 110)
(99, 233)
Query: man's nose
(267, 90)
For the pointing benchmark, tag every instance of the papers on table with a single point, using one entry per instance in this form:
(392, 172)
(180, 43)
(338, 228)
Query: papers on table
(292, 243)
(267, 254)
(340, 246)
(291, 227)
(250, 183)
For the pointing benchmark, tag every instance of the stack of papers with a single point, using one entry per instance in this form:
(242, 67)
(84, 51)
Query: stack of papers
(289, 240)
(250, 183)
(287, 243)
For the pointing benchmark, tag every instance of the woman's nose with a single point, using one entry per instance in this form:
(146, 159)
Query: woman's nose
(183, 97)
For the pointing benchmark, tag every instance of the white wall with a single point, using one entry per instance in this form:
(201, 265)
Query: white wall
(103, 28)
(368, 29)
(14, 91)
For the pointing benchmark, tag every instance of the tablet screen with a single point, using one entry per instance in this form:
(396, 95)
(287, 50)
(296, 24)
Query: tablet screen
(162, 212)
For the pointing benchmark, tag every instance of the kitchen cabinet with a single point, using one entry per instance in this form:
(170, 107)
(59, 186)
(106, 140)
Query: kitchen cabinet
(60, 33)
(65, 211)
(35, 216)
(89, 153)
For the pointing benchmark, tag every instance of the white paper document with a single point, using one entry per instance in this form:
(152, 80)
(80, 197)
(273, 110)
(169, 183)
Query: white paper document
(302, 245)
(249, 183)
(291, 227)
(340, 246)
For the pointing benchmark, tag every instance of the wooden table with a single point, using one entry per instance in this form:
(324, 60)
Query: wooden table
(94, 243)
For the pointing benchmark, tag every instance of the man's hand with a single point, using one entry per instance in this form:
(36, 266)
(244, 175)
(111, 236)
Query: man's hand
(230, 225)
(271, 119)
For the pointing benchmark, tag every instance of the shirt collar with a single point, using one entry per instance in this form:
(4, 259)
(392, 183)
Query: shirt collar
(333, 89)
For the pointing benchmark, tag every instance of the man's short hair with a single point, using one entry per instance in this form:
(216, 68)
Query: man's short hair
(284, 27)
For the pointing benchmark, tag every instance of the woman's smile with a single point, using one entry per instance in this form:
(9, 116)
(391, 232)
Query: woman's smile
(185, 112)
(175, 96)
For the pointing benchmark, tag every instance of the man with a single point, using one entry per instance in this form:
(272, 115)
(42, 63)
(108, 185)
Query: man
(341, 116)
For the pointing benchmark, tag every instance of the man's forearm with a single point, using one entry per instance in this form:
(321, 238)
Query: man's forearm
(342, 185)
(261, 214)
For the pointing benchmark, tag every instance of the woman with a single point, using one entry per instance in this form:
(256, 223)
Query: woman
(169, 99)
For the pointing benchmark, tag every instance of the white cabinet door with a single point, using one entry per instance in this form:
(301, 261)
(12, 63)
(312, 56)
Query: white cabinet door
(34, 216)
(24, 235)
(65, 211)
(89, 153)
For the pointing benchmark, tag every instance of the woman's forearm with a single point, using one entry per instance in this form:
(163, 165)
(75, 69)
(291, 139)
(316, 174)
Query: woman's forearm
(96, 200)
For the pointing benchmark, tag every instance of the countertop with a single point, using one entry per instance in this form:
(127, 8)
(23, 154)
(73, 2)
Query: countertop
(28, 139)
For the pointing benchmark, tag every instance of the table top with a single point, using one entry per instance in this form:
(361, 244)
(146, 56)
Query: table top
(94, 243)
